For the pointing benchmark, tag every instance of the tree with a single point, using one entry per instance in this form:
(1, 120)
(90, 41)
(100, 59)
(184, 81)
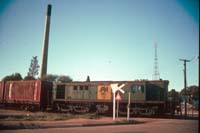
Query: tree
(57, 78)
(174, 99)
(173, 93)
(192, 93)
(13, 77)
(191, 90)
(50, 77)
(64, 79)
(88, 79)
(34, 67)
(29, 78)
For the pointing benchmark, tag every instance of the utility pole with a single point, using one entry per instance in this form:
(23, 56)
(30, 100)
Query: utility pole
(185, 82)
(46, 43)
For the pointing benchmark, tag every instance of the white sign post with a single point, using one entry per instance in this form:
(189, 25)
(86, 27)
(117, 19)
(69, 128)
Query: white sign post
(115, 88)
(118, 98)
(128, 106)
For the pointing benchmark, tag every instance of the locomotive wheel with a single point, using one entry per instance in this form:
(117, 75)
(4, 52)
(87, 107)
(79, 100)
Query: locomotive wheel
(124, 112)
(81, 109)
(102, 108)
(58, 108)
(66, 109)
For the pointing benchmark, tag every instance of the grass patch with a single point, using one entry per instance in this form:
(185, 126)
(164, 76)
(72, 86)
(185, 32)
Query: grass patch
(124, 121)
(88, 116)
(44, 116)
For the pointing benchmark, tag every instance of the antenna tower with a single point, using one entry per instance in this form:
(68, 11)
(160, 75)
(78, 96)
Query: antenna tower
(156, 75)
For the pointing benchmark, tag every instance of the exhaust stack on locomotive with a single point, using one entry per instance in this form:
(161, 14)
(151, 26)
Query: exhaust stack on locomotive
(46, 43)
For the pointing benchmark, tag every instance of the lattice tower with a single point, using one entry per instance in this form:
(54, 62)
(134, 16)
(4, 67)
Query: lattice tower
(156, 75)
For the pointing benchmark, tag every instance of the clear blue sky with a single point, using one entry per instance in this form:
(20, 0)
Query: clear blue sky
(105, 39)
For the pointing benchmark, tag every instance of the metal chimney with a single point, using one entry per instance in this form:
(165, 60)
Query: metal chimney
(45, 43)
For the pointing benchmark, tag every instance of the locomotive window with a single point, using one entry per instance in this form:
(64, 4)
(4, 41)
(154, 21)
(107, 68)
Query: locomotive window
(137, 88)
(86, 87)
(81, 88)
(75, 88)
(134, 88)
(142, 88)
(60, 92)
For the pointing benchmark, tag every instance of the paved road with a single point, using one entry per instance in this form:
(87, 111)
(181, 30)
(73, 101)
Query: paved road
(159, 126)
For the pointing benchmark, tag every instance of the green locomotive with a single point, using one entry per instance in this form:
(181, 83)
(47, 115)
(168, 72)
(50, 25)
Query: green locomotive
(147, 97)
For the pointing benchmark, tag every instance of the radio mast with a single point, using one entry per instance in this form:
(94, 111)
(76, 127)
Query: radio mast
(156, 75)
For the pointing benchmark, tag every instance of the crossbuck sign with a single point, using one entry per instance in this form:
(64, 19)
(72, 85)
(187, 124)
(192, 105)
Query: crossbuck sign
(115, 88)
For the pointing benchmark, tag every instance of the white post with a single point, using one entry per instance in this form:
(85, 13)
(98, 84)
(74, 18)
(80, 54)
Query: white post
(113, 105)
(117, 108)
(128, 107)
(192, 108)
(115, 88)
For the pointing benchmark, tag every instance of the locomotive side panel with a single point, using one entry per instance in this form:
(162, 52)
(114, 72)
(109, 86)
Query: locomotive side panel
(74, 92)
(81, 92)
(137, 92)
(155, 93)
(104, 92)
(158, 89)
(93, 92)
(59, 92)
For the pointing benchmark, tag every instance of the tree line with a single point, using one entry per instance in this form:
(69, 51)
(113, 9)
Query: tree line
(191, 95)
(49, 77)
(33, 72)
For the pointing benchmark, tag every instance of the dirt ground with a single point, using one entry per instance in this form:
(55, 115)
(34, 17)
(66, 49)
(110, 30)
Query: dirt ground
(80, 124)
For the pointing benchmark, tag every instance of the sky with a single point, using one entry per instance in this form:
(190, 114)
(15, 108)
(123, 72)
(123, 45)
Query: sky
(105, 39)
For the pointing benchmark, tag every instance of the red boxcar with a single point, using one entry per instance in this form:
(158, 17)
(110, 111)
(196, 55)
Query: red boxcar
(1, 91)
(34, 94)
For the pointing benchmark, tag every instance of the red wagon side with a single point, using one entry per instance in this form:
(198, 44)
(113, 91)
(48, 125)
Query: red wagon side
(1, 91)
(32, 94)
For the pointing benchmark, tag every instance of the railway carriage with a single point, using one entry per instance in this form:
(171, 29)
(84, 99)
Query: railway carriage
(28, 95)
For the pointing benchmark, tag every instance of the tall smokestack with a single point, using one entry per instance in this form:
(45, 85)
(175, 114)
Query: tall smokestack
(46, 43)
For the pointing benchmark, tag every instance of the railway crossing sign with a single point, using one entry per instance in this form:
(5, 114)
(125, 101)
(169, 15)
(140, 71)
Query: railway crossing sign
(118, 97)
(115, 88)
